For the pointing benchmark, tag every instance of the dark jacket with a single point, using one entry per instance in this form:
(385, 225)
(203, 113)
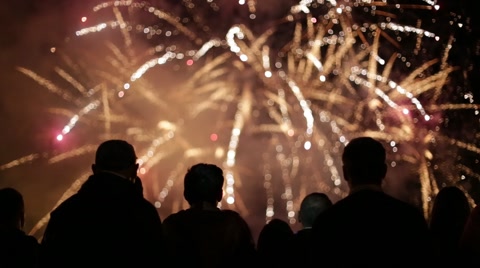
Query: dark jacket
(371, 229)
(208, 238)
(18, 249)
(470, 240)
(302, 245)
(107, 223)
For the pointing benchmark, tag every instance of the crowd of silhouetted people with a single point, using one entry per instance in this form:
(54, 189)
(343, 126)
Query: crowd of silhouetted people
(109, 223)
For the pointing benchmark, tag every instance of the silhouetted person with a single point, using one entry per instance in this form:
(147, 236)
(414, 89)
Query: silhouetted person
(448, 218)
(204, 235)
(368, 228)
(274, 245)
(470, 240)
(16, 248)
(108, 222)
(312, 206)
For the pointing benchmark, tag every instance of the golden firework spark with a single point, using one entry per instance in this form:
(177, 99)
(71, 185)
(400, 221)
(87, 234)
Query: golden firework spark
(305, 86)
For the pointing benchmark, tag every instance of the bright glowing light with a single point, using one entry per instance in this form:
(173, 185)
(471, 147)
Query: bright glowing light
(59, 137)
(230, 200)
(307, 145)
(243, 57)
(294, 95)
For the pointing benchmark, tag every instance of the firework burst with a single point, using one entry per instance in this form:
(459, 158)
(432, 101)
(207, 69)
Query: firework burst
(276, 105)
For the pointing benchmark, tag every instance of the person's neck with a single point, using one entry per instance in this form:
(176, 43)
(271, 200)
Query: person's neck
(204, 206)
(371, 187)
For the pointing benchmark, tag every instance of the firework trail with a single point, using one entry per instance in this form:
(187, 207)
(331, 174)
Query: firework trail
(277, 105)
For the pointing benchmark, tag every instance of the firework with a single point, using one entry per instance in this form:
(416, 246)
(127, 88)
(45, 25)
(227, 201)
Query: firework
(274, 107)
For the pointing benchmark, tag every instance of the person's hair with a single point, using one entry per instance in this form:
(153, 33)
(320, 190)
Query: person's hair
(312, 205)
(364, 161)
(11, 207)
(450, 212)
(274, 238)
(115, 155)
(203, 183)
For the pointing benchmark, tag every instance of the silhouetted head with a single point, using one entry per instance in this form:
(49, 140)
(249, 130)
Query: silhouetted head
(275, 238)
(116, 156)
(203, 184)
(364, 162)
(312, 205)
(450, 212)
(11, 209)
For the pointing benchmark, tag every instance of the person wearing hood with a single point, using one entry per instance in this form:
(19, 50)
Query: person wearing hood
(107, 222)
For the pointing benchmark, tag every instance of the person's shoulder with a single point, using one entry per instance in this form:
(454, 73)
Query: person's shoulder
(303, 233)
(403, 212)
(176, 222)
(20, 237)
(66, 206)
(145, 203)
(234, 219)
(230, 213)
(174, 217)
(31, 241)
(401, 205)
(146, 207)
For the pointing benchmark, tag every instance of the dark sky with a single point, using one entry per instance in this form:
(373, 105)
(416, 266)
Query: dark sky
(29, 29)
